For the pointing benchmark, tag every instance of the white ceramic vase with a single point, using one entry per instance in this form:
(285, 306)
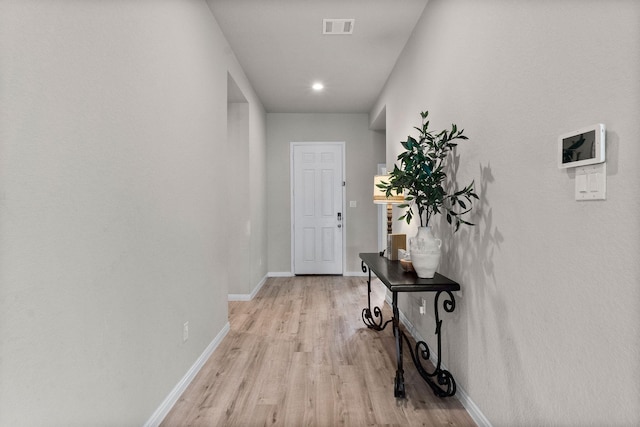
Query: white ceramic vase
(425, 253)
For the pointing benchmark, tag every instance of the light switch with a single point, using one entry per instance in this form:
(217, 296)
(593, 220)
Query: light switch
(581, 183)
(591, 182)
(353, 203)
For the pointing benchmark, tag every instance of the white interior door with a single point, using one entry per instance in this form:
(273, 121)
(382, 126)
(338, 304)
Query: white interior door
(317, 200)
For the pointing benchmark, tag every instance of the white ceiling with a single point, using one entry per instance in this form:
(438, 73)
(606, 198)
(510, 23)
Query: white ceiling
(281, 48)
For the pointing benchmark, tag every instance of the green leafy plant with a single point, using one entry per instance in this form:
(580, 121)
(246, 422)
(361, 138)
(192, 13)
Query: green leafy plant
(422, 176)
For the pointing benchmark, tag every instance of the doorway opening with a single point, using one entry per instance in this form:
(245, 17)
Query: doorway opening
(237, 150)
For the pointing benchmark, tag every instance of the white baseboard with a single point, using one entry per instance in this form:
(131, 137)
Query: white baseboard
(164, 408)
(247, 297)
(280, 274)
(239, 297)
(290, 274)
(472, 408)
(461, 394)
(355, 273)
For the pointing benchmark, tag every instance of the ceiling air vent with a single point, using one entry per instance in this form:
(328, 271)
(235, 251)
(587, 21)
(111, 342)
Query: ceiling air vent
(337, 26)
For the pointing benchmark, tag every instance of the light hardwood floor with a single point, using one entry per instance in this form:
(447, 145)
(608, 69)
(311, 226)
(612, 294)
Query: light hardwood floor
(298, 354)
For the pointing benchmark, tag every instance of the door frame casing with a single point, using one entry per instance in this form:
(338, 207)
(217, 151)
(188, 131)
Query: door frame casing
(341, 145)
(382, 215)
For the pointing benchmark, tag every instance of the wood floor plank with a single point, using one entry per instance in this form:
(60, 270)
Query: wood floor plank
(298, 354)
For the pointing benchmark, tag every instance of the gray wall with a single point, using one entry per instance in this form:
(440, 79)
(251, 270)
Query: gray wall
(258, 251)
(364, 150)
(113, 215)
(245, 165)
(547, 326)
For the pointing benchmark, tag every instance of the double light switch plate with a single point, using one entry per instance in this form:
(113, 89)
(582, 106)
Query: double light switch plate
(591, 182)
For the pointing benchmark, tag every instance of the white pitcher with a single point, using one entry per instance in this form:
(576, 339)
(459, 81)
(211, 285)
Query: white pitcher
(425, 253)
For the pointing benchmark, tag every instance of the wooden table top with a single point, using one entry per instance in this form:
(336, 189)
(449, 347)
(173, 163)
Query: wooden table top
(396, 279)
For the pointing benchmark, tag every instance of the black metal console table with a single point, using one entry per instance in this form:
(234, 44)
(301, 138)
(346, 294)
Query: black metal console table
(397, 280)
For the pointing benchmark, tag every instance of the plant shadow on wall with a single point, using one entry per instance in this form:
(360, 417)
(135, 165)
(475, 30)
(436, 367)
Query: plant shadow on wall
(471, 252)
(470, 255)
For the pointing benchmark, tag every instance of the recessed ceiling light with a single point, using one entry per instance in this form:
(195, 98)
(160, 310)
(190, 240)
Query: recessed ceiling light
(317, 86)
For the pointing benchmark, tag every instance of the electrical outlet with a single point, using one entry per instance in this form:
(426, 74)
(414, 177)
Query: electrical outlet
(185, 332)
(423, 307)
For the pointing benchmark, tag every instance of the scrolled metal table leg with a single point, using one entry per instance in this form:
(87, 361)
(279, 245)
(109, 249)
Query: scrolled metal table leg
(373, 321)
(398, 384)
(440, 380)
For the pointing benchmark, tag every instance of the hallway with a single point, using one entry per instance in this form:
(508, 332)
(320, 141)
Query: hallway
(298, 354)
